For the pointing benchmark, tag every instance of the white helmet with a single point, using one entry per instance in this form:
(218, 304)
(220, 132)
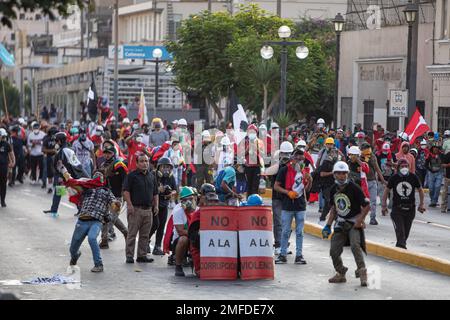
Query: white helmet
(76, 123)
(99, 128)
(206, 135)
(262, 127)
(320, 121)
(22, 121)
(182, 122)
(126, 120)
(175, 122)
(423, 142)
(340, 166)
(286, 147)
(404, 136)
(447, 133)
(274, 125)
(225, 141)
(354, 150)
(3, 132)
(301, 144)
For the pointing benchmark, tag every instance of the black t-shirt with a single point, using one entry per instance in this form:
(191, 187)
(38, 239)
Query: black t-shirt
(142, 187)
(446, 160)
(166, 182)
(404, 188)
(5, 149)
(355, 172)
(288, 204)
(327, 166)
(116, 180)
(18, 147)
(276, 195)
(348, 202)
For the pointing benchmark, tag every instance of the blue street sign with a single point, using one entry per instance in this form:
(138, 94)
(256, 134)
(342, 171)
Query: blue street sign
(144, 52)
(6, 57)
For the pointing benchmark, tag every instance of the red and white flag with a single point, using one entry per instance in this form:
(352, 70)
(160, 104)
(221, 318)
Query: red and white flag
(416, 127)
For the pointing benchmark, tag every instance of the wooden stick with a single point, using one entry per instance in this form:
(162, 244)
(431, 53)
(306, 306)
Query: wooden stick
(4, 99)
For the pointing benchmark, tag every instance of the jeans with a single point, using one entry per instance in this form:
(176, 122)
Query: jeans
(326, 194)
(277, 226)
(87, 168)
(56, 199)
(91, 229)
(286, 221)
(444, 195)
(402, 221)
(373, 198)
(434, 184)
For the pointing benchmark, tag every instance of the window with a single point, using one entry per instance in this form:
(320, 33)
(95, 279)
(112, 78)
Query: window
(443, 118)
(444, 30)
(37, 17)
(368, 114)
(13, 36)
(22, 16)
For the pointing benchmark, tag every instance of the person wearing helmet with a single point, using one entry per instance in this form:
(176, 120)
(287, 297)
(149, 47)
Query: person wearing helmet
(358, 169)
(403, 185)
(374, 171)
(158, 135)
(320, 125)
(254, 163)
(35, 139)
(140, 192)
(208, 196)
(325, 171)
(292, 182)
(84, 150)
(421, 158)
(115, 171)
(446, 142)
(7, 161)
(349, 208)
(434, 167)
(48, 148)
(17, 144)
(225, 183)
(180, 241)
(226, 152)
(167, 190)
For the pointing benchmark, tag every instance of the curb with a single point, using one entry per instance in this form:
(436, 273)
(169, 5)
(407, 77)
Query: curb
(397, 254)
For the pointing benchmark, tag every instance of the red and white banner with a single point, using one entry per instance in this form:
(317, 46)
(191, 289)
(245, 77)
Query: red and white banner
(416, 127)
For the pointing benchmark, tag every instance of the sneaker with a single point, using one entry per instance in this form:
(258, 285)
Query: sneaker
(10, 184)
(373, 222)
(3, 205)
(112, 237)
(300, 260)
(129, 260)
(363, 276)
(171, 260)
(158, 252)
(277, 251)
(50, 191)
(144, 260)
(281, 260)
(98, 268)
(433, 205)
(179, 271)
(43, 186)
(339, 277)
(320, 210)
(103, 245)
(73, 261)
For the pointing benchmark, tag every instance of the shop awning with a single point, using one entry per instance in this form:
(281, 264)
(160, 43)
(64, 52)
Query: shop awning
(6, 58)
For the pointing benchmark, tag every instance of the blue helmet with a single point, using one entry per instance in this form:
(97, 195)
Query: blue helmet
(254, 200)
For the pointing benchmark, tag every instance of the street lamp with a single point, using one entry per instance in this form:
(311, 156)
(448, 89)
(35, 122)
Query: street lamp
(410, 13)
(339, 22)
(157, 54)
(284, 32)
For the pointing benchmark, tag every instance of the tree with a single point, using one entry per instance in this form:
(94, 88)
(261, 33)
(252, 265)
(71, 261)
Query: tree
(9, 8)
(12, 98)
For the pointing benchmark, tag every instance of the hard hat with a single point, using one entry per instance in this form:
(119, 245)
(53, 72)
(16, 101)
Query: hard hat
(206, 135)
(125, 120)
(252, 127)
(386, 147)
(329, 141)
(182, 122)
(207, 188)
(274, 125)
(354, 150)
(320, 121)
(225, 141)
(61, 136)
(219, 134)
(340, 131)
(301, 143)
(360, 135)
(35, 124)
(76, 123)
(254, 200)
(447, 133)
(156, 120)
(22, 121)
(262, 127)
(74, 131)
(286, 147)
(340, 166)
(186, 192)
(423, 142)
(175, 122)
(164, 161)
(3, 132)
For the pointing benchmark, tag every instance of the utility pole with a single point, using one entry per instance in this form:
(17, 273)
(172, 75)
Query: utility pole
(88, 27)
(82, 33)
(47, 39)
(209, 6)
(116, 60)
(279, 8)
(22, 93)
(154, 21)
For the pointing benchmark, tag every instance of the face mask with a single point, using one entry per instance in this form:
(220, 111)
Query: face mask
(36, 131)
(98, 133)
(423, 147)
(252, 136)
(135, 126)
(139, 139)
(176, 147)
(341, 183)
(83, 137)
(188, 205)
(57, 146)
(404, 171)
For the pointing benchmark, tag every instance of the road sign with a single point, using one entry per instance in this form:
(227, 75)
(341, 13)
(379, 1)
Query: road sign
(138, 52)
(398, 103)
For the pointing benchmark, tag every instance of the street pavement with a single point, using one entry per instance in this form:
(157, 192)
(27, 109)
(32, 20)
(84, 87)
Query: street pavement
(35, 245)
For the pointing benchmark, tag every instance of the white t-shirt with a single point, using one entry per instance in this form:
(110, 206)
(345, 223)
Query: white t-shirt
(298, 184)
(36, 150)
(179, 217)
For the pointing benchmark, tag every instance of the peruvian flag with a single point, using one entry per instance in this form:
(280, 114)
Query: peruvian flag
(142, 114)
(416, 127)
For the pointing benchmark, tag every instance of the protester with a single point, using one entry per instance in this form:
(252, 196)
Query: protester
(84, 150)
(434, 174)
(19, 154)
(35, 139)
(7, 161)
(159, 135)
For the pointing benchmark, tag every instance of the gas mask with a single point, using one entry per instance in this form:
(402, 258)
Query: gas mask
(188, 204)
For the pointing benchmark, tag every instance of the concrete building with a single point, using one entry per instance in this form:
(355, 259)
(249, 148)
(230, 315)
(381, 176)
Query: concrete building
(373, 62)
(440, 67)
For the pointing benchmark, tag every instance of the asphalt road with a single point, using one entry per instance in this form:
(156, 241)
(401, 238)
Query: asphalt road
(33, 244)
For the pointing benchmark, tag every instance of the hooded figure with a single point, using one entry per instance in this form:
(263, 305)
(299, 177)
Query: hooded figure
(402, 154)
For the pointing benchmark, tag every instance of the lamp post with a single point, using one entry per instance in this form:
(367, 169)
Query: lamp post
(410, 13)
(157, 55)
(284, 32)
(116, 60)
(338, 27)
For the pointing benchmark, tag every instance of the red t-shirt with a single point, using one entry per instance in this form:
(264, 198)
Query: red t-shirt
(133, 148)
